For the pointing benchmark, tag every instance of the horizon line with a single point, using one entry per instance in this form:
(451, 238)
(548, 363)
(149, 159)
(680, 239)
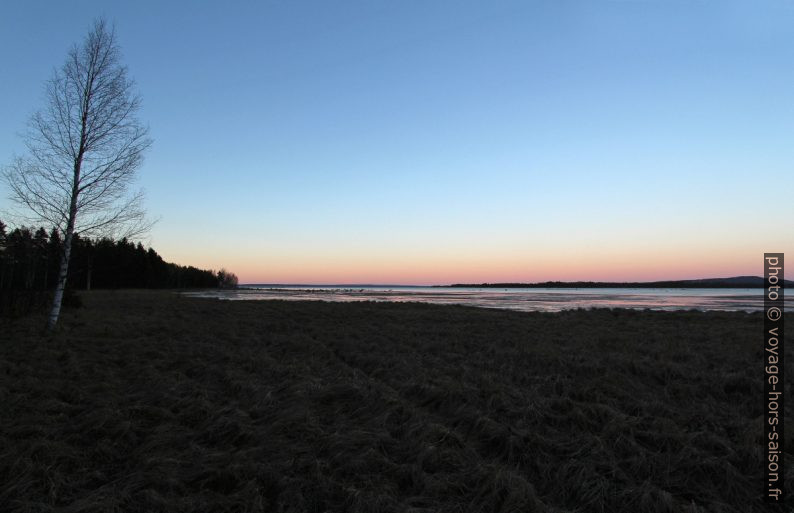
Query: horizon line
(350, 285)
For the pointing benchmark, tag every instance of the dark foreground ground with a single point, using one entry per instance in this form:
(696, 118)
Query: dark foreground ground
(153, 402)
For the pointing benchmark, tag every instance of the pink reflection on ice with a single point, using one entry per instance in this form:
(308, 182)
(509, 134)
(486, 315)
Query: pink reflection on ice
(549, 300)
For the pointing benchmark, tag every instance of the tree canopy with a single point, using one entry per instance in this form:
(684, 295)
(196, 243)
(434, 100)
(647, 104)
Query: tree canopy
(30, 259)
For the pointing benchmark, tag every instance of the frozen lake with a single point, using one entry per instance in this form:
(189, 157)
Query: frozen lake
(525, 299)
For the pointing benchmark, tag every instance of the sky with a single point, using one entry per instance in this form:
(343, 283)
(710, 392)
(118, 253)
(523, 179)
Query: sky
(432, 142)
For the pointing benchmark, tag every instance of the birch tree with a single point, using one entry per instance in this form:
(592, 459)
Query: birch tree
(84, 148)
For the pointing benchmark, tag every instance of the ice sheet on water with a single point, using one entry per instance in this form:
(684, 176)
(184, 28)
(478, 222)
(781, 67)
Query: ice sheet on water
(530, 299)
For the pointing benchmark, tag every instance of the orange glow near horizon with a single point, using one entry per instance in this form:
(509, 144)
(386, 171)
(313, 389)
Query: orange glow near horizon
(444, 268)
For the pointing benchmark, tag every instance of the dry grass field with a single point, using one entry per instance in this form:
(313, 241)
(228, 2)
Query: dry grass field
(149, 401)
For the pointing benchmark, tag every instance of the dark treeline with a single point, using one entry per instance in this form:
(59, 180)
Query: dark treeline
(29, 260)
(706, 283)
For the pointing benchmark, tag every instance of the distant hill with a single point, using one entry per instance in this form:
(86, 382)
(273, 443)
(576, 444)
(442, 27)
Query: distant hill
(737, 282)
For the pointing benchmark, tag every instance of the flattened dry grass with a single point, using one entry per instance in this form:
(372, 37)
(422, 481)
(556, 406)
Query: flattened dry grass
(148, 401)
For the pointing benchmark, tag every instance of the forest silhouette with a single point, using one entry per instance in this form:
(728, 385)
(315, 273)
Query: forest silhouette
(29, 260)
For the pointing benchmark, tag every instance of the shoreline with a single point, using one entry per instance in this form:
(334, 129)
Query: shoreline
(740, 300)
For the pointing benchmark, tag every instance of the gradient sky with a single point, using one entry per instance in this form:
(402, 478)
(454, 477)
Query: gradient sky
(432, 142)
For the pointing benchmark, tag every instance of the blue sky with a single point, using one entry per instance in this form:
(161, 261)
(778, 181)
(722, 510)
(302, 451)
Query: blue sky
(426, 142)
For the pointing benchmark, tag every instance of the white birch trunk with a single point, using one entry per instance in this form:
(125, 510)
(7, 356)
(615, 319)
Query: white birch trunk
(55, 311)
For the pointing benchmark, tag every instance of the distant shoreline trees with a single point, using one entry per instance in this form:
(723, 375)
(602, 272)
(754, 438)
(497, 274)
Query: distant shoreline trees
(30, 261)
(227, 280)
